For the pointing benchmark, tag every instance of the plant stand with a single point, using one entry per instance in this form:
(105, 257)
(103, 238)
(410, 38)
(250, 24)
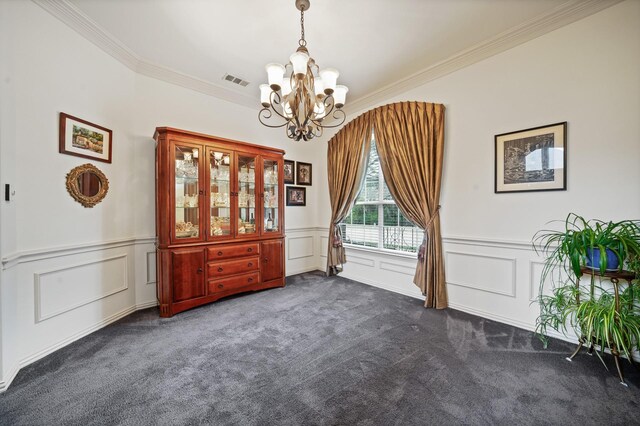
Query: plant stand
(614, 277)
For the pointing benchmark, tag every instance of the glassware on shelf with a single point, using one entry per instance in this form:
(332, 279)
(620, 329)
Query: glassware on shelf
(219, 226)
(186, 230)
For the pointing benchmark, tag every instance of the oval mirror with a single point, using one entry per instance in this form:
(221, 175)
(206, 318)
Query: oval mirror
(87, 185)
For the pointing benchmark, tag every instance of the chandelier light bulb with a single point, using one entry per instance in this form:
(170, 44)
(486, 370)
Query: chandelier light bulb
(286, 86)
(299, 62)
(265, 93)
(319, 110)
(275, 72)
(286, 110)
(340, 95)
(318, 88)
(329, 78)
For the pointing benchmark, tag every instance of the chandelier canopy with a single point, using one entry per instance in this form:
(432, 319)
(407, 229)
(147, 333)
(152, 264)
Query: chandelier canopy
(301, 93)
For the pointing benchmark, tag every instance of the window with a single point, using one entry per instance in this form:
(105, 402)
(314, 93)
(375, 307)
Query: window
(375, 220)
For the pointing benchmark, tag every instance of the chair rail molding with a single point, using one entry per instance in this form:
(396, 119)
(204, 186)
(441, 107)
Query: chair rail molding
(52, 252)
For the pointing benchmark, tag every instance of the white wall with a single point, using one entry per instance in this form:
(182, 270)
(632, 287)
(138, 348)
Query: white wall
(68, 270)
(588, 74)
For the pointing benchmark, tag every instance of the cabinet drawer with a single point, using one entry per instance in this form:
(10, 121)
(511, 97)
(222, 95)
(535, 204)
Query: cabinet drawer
(226, 252)
(217, 286)
(232, 267)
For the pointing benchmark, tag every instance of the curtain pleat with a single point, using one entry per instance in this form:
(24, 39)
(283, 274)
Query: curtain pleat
(410, 142)
(348, 152)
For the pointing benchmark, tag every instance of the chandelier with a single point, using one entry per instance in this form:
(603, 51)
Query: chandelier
(300, 93)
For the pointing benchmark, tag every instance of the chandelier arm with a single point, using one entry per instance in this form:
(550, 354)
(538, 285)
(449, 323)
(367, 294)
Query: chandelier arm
(329, 105)
(338, 114)
(267, 115)
(275, 99)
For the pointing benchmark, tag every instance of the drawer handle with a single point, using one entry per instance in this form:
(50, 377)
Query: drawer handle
(219, 269)
(219, 253)
(199, 270)
(250, 280)
(250, 249)
(250, 264)
(220, 286)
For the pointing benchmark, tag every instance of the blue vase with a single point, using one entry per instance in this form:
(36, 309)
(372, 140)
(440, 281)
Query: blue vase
(593, 259)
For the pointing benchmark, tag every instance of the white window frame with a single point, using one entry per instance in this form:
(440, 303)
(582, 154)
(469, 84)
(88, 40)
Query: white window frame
(380, 202)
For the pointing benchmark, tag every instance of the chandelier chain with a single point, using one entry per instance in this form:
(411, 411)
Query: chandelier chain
(302, 41)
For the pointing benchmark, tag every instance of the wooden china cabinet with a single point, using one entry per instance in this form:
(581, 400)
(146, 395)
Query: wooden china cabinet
(219, 218)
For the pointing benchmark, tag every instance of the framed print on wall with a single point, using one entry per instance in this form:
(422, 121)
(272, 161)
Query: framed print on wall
(303, 173)
(84, 139)
(289, 167)
(296, 196)
(532, 159)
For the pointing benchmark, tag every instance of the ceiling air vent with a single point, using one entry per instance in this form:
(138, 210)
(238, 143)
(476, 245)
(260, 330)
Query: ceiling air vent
(235, 80)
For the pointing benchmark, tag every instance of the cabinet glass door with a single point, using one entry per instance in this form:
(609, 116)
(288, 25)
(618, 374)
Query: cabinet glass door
(219, 193)
(246, 195)
(187, 192)
(271, 196)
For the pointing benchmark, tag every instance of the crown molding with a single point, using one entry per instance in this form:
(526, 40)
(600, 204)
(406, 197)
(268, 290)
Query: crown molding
(74, 18)
(562, 15)
(189, 82)
(78, 21)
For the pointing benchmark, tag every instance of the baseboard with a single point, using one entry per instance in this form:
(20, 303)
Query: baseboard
(380, 285)
(4, 384)
(303, 270)
(13, 372)
(146, 305)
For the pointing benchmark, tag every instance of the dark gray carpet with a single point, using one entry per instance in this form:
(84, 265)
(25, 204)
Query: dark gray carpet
(322, 351)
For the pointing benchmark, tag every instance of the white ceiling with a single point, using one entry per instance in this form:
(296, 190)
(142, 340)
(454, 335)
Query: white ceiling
(374, 44)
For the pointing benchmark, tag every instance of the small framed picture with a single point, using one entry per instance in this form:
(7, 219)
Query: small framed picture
(303, 173)
(532, 159)
(296, 196)
(83, 139)
(289, 166)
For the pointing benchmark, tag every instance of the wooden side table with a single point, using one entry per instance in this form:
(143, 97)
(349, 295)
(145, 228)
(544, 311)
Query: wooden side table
(614, 277)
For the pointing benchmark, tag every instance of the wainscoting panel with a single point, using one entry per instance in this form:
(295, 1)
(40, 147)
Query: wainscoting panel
(63, 289)
(492, 274)
(151, 267)
(301, 250)
(300, 247)
(361, 260)
(535, 273)
(399, 268)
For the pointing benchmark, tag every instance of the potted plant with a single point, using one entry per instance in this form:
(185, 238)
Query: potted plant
(590, 310)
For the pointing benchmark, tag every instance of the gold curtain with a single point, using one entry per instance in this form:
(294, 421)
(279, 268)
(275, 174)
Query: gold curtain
(410, 142)
(346, 163)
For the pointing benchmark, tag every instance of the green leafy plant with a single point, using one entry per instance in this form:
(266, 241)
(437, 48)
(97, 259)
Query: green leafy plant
(567, 248)
(590, 310)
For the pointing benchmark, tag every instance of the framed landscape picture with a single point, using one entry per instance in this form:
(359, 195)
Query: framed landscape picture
(296, 196)
(289, 167)
(532, 159)
(303, 173)
(83, 139)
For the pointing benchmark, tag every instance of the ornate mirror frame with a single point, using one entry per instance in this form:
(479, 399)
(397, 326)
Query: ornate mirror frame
(74, 188)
